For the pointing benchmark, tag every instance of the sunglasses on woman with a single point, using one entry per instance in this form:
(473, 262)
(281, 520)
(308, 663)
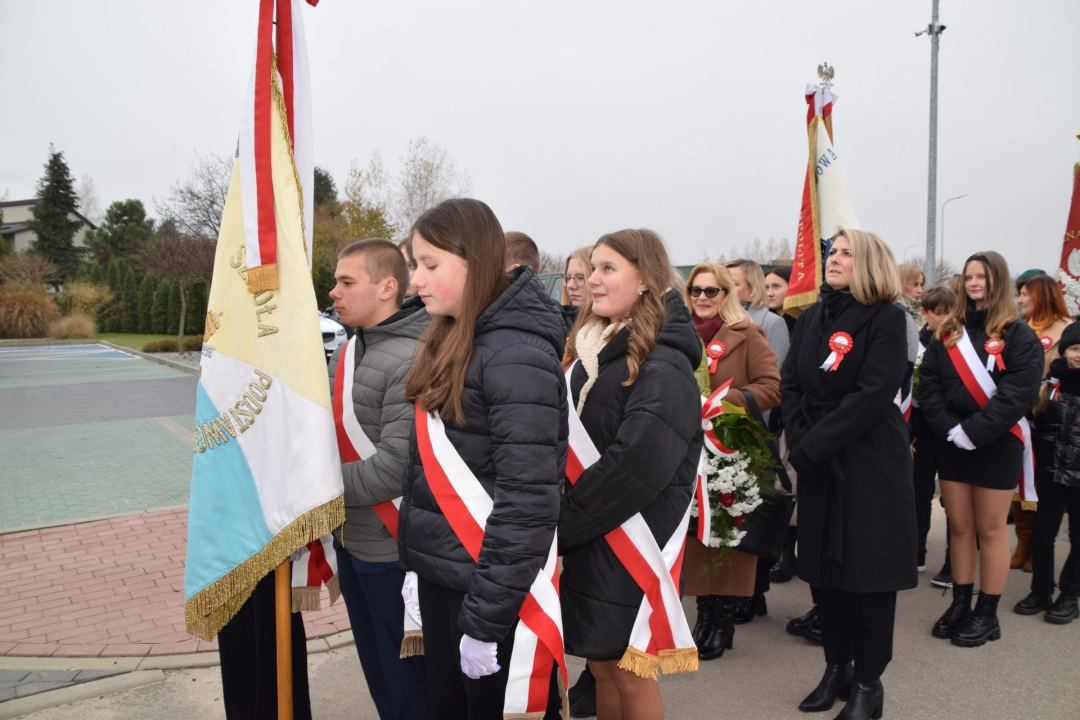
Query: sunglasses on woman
(710, 292)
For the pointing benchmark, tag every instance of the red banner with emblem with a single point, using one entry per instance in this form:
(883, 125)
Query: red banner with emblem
(1069, 272)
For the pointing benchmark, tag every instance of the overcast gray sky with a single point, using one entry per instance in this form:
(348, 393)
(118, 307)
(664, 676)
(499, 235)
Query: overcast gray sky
(581, 117)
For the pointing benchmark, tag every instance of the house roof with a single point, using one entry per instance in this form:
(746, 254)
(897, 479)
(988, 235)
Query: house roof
(37, 201)
(11, 228)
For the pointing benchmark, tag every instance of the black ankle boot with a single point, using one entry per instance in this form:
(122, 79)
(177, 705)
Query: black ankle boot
(867, 702)
(721, 632)
(835, 683)
(706, 609)
(1033, 604)
(982, 625)
(957, 614)
(784, 569)
(1064, 611)
(742, 610)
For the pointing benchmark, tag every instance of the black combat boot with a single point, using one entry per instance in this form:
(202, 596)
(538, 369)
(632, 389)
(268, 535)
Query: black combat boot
(982, 625)
(958, 612)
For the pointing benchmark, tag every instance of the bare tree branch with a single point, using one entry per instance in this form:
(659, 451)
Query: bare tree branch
(195, 205)
(183, 259)
(428, 176)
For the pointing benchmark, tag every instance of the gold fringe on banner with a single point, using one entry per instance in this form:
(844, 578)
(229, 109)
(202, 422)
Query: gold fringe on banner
(679, 660)
(283, 117)
(412, 644)
(206, 612)
(306, 599)
(262, 278)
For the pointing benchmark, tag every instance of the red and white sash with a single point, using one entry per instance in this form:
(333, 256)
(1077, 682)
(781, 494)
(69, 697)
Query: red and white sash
(982, 387)
(660, 638)
(354, 445)
(538, 639)
(710, 407)
(314, 565)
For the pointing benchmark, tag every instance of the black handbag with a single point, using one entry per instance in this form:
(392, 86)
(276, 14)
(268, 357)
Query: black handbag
(767, 526)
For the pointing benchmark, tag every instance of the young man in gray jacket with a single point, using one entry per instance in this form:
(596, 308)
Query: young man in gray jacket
(373, 426)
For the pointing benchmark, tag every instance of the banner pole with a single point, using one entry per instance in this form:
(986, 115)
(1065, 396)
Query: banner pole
(283, 611)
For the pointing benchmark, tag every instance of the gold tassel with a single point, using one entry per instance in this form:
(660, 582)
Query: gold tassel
(262, 278)
(679, 660)
(305, 599)
(335, 589)
(641, 664)
(208, 610)
(1028, 505)
(412, 644)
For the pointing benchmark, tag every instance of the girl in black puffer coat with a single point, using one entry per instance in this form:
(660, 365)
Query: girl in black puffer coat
(1057, 471)
(634, 389)
(491, 367)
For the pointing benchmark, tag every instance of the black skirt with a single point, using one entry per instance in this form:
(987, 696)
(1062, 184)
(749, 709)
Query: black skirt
(996, 466)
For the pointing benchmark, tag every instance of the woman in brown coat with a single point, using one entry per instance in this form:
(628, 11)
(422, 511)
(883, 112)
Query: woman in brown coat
(743, 355)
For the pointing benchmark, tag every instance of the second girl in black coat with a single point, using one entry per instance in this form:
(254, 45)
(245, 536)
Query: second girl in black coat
(635, 391)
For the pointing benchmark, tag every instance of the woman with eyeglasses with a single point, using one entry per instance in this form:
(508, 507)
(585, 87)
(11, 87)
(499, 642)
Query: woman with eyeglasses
(741, 354)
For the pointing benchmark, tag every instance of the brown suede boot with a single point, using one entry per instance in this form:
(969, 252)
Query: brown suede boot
(1025, 525)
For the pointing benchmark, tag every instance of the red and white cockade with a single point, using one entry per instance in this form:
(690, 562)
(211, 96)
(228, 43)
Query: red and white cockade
(715, 350)
(840, 343)
(994, 347)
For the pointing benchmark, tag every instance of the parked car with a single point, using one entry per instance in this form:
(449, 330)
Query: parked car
(333, 335)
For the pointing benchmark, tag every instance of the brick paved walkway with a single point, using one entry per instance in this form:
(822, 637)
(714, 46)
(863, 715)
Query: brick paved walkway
(107, 587)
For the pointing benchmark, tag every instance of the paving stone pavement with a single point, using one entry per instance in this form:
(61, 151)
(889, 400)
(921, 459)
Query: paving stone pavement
(21, 683)
(108, 588)
(88, 432)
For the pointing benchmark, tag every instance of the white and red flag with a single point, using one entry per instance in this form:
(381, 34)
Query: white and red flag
(826, 206)
(1069, 272)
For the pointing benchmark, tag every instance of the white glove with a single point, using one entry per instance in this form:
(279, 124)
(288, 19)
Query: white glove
(959, 438)
(478, 658)
(411, 597)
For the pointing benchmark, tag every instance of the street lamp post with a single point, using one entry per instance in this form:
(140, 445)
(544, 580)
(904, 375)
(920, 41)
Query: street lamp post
(934, 30)
(943, 222)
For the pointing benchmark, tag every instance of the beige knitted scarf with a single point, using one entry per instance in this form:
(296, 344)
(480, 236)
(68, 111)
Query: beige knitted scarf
(591, 339)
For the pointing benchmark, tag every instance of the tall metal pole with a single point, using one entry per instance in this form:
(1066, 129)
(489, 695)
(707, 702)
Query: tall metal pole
(943, 206)
(934, 30)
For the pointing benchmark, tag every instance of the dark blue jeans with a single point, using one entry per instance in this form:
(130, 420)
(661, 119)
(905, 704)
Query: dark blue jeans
(372, 593)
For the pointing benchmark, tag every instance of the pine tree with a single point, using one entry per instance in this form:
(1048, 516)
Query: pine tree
(196, 308)
(130, 300)
(146, 304)
(96, 275)
(174, 310)
(84, 273)
(124, 231)
(55, 231)
(159, 313)
(113, 277)
(111, 317)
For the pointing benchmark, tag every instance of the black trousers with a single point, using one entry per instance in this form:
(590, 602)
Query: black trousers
(247, 646)
(1054, 500)
(925, 469)
(452, 695)
(372, 595)
(859, 627)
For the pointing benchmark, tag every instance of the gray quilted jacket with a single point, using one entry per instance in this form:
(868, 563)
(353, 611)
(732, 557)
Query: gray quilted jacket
(384, 354)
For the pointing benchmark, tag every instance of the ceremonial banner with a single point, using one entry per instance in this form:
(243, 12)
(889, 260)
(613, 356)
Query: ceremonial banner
(266, 477)
(1069, 272)
(826, 206)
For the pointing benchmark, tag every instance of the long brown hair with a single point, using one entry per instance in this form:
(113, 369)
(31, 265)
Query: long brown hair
(1049, 302)
(646, 252)
(1002, 307)
(469, 229)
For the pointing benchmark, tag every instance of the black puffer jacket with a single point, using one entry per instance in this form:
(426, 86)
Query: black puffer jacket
(514, 441)
(649, 438)
(1057, 439)
(945, 402)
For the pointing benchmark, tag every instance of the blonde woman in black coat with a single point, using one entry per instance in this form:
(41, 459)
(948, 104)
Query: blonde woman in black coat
(849, 446)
